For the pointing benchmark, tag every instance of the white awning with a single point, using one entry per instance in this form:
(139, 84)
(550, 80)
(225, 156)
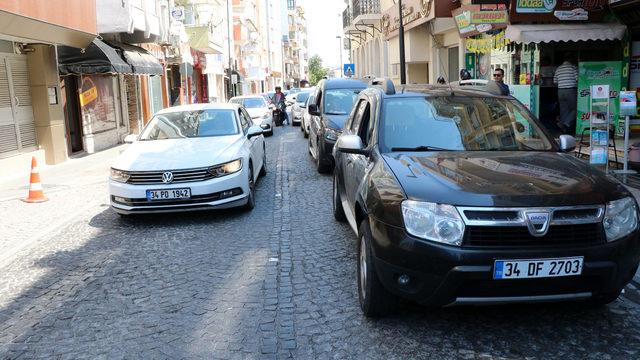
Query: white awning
(564, 32)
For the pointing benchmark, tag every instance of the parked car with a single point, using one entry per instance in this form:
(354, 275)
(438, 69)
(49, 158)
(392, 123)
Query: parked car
(297, 110)
(291, 95)
(333, 100)
(194, 157)
(259, 109)
(306, 118)
(461, 197)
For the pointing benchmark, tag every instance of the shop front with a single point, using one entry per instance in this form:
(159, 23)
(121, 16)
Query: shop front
(542, 36)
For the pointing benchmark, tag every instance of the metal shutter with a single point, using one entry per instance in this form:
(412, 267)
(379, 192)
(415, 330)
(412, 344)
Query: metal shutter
(8, 137)
(23, 110)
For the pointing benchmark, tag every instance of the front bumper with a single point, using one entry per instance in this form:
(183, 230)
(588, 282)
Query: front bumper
(218, 193)
(446, 275)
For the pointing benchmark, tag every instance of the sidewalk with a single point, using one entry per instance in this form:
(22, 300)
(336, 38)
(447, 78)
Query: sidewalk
(73, 188)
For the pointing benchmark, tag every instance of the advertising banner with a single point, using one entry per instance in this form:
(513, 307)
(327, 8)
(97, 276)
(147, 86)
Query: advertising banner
(472, 20)
(598, 73)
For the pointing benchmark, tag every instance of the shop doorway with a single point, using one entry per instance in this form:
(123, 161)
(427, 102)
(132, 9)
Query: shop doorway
(72, 112)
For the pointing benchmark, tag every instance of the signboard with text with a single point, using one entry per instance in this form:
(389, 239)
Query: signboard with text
(471, 20)
(557, 10)
(607, 75)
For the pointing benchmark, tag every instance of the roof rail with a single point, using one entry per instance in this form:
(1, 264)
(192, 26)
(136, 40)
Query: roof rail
(385, 83)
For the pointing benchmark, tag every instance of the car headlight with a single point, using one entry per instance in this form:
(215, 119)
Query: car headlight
(620, 218)
(435, 222)
(226, 168)
(119, 175)
(331, 134)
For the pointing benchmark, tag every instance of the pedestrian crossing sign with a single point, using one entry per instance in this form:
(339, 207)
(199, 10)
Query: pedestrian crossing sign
(349, 70)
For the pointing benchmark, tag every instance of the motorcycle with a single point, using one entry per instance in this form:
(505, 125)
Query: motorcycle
(278, 114)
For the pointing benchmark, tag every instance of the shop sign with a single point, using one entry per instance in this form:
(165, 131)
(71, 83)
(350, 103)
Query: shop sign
(575, 14)
(606, 76)
(486, 43)
(535, 6)
(88, 96)
(634, 66)
(177, 13)
(414, 13)
(472, 20)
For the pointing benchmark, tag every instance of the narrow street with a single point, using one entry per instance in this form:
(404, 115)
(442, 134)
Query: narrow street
(276, 282)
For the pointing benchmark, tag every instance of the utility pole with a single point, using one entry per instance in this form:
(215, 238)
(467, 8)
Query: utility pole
(229, 24)
(403, 75)
(340, 51)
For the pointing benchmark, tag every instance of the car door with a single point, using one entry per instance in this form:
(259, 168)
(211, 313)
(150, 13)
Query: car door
(315, 121)
(354, 164)
(255, 143)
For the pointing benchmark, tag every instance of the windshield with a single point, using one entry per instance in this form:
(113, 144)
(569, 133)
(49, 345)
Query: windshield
(459, 123)
(294, 91)
(191, 124)
(250, 103)
(302, 97)
(340, 101)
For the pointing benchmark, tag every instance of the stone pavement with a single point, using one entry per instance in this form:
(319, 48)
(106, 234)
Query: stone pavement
(276, 282)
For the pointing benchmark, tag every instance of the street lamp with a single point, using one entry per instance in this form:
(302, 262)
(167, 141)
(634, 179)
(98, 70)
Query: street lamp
(340, 52)
(403, 76)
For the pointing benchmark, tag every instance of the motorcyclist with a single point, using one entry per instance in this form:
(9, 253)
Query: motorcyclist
(278, 101)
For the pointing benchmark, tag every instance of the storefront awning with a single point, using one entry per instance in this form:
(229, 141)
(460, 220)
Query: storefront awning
(543, 33)
(141, 61)
(98, 58)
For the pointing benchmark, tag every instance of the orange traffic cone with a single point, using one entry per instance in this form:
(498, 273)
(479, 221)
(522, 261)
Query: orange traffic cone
(35, 186)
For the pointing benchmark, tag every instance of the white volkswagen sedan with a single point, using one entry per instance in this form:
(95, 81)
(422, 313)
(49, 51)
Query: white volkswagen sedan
(192, 157)
(259, 109)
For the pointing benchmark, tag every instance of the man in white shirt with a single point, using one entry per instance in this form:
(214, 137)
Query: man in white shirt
(566, 77)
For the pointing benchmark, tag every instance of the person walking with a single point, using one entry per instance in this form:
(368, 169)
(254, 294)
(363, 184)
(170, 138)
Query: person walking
(498, 77)
(278, 101)
(566, 77)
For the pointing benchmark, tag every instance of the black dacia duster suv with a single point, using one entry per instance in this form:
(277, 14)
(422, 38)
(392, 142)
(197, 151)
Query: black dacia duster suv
(461, 197)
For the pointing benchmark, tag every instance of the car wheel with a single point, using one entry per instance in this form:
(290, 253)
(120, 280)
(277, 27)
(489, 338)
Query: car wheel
(251, 200)
(338, 210)
(301, 126)
(309, 147)
(321, 164)
(263, 170)
(306, 133)
(375, 300)
(604, 299)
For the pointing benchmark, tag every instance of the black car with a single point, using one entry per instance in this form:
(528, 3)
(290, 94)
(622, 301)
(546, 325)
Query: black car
(461, 197)
(333, 100)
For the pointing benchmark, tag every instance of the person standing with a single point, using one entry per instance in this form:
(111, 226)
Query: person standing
(566, 77)
(498, 77)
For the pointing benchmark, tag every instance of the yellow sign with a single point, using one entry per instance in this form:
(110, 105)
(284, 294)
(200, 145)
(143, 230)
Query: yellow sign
(486, 43)
(88, 96)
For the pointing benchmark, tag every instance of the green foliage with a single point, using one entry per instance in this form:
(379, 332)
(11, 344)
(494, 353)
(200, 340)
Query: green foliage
(316, 71)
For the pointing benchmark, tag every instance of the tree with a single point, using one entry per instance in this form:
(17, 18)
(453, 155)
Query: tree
(316, 71)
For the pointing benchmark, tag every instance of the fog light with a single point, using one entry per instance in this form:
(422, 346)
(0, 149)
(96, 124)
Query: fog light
(403, 280)
(119, 199)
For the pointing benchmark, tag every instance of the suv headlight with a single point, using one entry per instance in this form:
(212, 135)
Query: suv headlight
(331, 134)
(620, 218)
(226, 168)
(119, 175)
(435, 222)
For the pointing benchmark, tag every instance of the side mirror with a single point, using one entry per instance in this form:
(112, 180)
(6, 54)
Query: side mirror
(567, 143)
(313, 110)
(254, 131)
(129, 139)
(351, 144)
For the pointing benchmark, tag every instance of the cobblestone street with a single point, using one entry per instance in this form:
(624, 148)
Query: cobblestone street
(276, 282)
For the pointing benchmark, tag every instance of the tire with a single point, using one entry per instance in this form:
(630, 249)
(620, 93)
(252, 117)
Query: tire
(263, 169)
(251, 200)
(301, 126)
(338, 210)
(309, 147)
(321, 165)
(375, 300)
(304, 130)
(604, 299)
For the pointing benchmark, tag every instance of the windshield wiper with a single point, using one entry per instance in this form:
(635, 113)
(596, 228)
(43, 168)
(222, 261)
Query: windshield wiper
(420, 148)
(334, 113)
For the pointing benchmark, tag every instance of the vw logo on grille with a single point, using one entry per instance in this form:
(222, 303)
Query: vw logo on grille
(537, 222)
(167, 177)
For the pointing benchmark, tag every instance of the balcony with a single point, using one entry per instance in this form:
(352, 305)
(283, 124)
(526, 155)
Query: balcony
(203, 39)
(138, 21)
(366, 7)
(346, 18)
(362, 12)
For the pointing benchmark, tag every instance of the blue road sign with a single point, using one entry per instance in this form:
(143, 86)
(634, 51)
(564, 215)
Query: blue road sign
(349, 70)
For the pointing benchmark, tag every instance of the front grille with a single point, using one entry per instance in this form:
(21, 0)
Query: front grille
(179, 176)
(491, 215)
(519, 236)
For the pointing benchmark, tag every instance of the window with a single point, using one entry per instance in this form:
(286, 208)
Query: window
(190, 124)
(291, 4)
(245, 120)
(251, 103)
(460, 123)
(363, 130)
(340, 101)
(357, 116)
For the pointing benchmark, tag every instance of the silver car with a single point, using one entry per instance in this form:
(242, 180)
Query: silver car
(259, 109)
